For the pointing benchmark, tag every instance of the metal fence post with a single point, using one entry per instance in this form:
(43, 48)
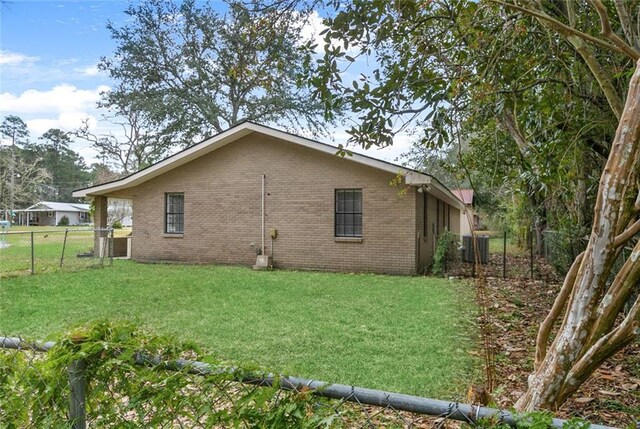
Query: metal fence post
(531, 252)
(504, 256)
(111, 243)
(33, 259)
(473, 269)
(78, 390)
(64, 245)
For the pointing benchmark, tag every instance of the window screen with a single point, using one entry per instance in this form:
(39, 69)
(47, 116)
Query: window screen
(174, 213)
(348, 221)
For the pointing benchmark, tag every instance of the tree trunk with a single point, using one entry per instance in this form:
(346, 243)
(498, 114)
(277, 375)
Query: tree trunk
(540, 225)
(581, 343)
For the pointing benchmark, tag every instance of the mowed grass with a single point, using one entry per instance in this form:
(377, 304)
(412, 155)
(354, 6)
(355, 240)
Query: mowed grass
(496, 243)
(404, 334)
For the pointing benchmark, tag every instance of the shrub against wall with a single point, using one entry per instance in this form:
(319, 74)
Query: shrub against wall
(446, 250)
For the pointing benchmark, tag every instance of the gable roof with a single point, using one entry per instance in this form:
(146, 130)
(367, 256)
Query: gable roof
(48, 206)
(412, 177)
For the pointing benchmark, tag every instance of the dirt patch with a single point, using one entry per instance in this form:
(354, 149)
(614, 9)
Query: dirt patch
(517, 306)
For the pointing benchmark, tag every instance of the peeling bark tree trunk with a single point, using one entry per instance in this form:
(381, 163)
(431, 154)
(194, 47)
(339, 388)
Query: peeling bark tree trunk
(588, 334)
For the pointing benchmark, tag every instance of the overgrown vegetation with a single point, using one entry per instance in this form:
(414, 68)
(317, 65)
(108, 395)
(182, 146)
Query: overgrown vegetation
(445, 251)
(34, 390)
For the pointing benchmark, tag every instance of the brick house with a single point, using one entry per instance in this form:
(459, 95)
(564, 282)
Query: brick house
(253, 189)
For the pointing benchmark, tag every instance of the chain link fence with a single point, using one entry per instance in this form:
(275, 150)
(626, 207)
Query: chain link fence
(491, 254)
(561, 249)
(31, 252)
(106, 381)
(499, 254)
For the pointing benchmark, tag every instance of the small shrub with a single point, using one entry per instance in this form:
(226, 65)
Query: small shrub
(116, 224)
(64, 221)
(445, 250)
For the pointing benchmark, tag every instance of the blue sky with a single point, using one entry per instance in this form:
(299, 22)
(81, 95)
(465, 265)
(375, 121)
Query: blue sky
(48, 75)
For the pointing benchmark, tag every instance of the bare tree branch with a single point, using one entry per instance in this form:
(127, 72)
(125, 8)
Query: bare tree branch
(627, 235)
(607, 32)
(559, 26)
(625, 22)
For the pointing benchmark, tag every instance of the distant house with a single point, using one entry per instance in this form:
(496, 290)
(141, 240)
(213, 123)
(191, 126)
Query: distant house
(46, 213)
(256, 190)
(469, 220)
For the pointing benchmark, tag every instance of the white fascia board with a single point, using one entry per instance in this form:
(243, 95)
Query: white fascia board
(167, 164)
(434, 187)
(412, 178)
(417, 179)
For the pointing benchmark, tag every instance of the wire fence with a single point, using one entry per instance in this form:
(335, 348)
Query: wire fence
(508, 256)
(31, 252)
(561, 249)
(100, 382)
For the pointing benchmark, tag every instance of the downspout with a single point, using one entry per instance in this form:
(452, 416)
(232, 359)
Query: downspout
(262, 248)
(418, 233)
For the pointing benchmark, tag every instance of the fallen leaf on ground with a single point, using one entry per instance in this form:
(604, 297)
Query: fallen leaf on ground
(607, 392)
(515, 349)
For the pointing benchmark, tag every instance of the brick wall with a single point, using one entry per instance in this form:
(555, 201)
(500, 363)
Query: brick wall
(223, 211)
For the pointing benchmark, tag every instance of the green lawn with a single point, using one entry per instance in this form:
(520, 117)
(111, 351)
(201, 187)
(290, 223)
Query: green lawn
(496, 243)
(406, 334)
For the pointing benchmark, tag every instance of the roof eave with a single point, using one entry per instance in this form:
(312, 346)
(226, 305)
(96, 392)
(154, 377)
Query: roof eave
(165, 165)
(411, 177)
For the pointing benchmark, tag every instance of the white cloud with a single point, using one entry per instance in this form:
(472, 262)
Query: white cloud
(89, 71)
(61, 99)
(311, 30)
(64, 121)
(63, 106)
(13, 58)
(402, 143)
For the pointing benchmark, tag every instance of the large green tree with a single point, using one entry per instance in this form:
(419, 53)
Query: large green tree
(463, 75)
(66, 169)
(548, 85)
(191, 71)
